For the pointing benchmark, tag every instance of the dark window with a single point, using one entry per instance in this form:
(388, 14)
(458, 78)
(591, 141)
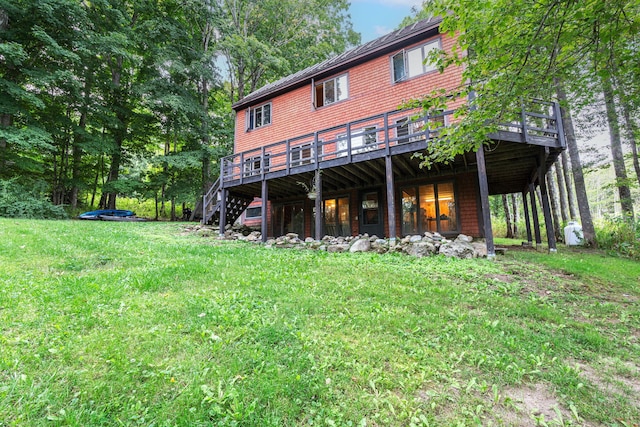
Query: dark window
(253, 212)
(413, 62)
(409, 130)
(331, 91)
(259, 116)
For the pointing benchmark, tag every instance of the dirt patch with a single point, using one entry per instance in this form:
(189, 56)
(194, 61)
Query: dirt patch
(505, 278)
(536, 402)
(613, 377)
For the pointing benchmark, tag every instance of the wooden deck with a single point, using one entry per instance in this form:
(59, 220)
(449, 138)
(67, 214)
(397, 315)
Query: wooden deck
(353, 154)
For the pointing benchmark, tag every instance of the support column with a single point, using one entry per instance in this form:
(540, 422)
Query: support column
(265, 204)
(223, 210)
(484, 201)
(318, 182)
(527, 219)
(391, 201)
(534, 214)
(546, 210)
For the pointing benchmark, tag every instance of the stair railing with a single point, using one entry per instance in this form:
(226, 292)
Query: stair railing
(209, 200)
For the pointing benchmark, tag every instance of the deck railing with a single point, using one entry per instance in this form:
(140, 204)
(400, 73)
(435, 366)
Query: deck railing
(376, 133)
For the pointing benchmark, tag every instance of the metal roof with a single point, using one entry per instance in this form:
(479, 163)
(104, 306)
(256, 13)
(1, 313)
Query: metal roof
(366, 51)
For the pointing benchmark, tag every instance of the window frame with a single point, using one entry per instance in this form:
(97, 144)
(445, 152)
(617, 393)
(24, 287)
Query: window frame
(413, 128)
(252, 112)
(304, 160)
(323, 84)
(252, 166)
(404, 54)
(438, 217)
(257, 208)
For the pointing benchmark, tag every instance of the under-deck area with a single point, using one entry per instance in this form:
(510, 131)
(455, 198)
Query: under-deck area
(379, 152)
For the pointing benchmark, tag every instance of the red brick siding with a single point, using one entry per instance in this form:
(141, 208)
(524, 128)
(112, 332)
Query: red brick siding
(468, 207)
(466, 186)
(371, 91)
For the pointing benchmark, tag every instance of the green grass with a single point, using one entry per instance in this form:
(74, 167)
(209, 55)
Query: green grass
(140, 324)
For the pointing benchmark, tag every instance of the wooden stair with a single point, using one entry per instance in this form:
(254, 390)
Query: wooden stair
(212, 204)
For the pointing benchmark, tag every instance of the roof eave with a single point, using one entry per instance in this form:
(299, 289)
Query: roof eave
(365, 56)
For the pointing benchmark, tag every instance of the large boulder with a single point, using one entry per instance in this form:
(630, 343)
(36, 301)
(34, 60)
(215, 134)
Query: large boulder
(458, 248)
(360, 245)
(420, 249)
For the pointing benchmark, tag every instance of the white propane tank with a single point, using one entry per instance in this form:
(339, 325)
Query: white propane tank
(573, 234)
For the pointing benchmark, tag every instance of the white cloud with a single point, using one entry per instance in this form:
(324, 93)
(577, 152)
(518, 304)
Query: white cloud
(381, 30)
(399, 3)
(402, 2)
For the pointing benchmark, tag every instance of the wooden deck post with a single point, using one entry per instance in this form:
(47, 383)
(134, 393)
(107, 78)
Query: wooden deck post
(391, 200)
(265, 203)
(527, 219)
(223, 210)
(534, 213)
(318, 180)
(546, 210)
(484, 201)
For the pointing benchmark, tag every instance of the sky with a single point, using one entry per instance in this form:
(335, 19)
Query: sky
(375, 18)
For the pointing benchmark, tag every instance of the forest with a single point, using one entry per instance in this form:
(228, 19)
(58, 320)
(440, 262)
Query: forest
(115, 98)
(128, 100)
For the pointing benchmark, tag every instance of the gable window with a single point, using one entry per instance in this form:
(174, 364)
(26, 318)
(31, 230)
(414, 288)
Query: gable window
(330, 91)
(254, 165)
(258, 116)
(411, 62)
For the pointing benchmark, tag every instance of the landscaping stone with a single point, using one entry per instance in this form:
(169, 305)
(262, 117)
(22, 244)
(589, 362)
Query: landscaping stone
(337, 248)
(415, 239)
(428, 244)
(360, 245)
(459, 248)
(420, 249)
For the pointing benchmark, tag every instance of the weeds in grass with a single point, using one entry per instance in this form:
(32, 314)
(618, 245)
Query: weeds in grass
(135, 324)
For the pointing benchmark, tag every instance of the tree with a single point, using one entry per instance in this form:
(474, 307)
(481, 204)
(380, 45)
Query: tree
(507, 217)
(517, 49)
(264, 40)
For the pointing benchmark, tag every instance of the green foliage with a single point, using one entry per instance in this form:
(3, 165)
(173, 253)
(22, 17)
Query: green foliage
(518, 50)
(21, 201)
(149, 325)
(620, 236)
(91, 88)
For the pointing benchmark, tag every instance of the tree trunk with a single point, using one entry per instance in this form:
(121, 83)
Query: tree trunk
(553, 198)
(77, 142)
(514, 208)
(5, 119)
(566, 171)
(616, 150)
(578, 178)
(507, 217)
(632, 133)
(562, 192)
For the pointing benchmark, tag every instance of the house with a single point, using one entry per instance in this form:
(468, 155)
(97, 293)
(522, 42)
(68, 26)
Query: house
(328, 151)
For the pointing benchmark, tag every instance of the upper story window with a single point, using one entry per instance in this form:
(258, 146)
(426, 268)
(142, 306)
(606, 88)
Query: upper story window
(258, 116)
(330, 91)
(411, 62)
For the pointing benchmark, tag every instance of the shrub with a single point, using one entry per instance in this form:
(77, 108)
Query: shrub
(620, 235)
(20, 201)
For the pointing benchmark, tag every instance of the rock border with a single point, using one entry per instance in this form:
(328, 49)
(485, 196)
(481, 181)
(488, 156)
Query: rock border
(428, 244)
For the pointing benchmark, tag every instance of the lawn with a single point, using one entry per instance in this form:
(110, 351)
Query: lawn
(108, 324)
